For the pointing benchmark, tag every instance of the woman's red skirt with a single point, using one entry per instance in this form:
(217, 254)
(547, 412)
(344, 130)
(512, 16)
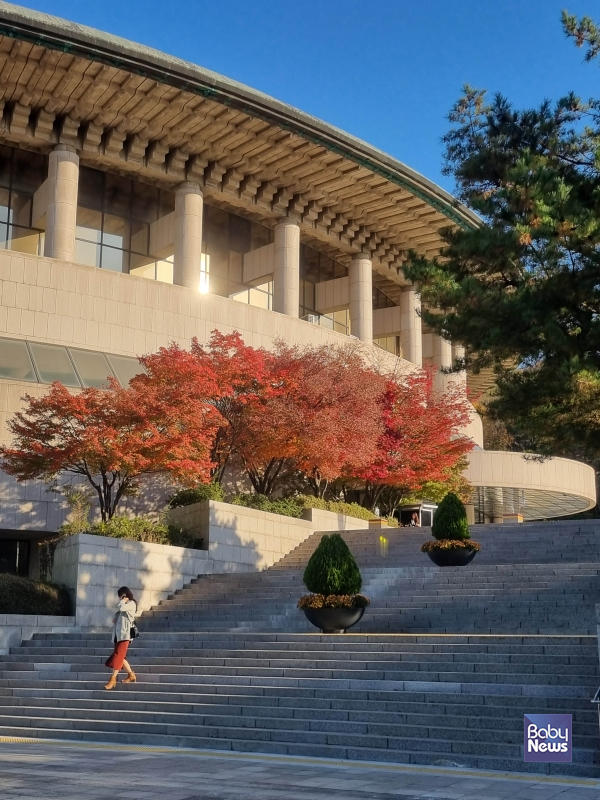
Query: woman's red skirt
(118, 656)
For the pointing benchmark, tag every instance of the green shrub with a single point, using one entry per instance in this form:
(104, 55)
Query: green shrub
(336, 506)
(23, 596)
(450, 519)
(286, 506)
(143, 529)
(187, 497)
(332, 568)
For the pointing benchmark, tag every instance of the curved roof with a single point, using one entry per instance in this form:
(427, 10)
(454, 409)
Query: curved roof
(128, 107)
(28, 25)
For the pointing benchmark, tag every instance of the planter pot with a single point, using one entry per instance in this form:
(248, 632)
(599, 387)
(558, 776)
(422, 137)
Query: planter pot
(333, 620)
(459, 557)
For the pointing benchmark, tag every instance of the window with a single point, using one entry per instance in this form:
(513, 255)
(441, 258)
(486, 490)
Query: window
(21, 175)
(114, 219)
(53, 364)
(15, 361)
(93, 368)
(124, 368)
(227, 237)
(73, 367)
(389, 343)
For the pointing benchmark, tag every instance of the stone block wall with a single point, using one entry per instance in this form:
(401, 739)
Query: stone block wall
(15, 628)
(94, 567)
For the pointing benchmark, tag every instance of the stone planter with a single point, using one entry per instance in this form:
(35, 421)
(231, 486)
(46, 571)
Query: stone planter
(333, 620)
(457, 557)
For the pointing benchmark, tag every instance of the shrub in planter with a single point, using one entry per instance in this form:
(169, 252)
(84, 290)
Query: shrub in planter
(333, 578)
(187, 497)
(453, 546)
(23, 596)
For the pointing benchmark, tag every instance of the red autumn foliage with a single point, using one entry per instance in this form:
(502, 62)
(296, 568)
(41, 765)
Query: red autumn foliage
(111, 438)
(324, 421)
(421, 439)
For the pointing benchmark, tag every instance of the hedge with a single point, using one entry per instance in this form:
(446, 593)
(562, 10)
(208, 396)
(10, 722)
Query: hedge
(143, 529)
(23, 596)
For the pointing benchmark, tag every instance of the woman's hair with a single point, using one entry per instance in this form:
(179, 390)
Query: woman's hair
(125, 590)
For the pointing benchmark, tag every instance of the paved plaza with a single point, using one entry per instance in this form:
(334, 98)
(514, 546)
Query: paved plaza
(76, 771)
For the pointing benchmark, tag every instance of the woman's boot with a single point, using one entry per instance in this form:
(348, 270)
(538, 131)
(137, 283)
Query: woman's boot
(130, 678)
(112, 683)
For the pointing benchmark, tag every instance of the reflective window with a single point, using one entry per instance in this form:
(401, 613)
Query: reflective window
(124, 368)
(15, 361)
(93, 368)
(226, 237)
(53, 364)
(389, 343)
(114, 224)
(21, 175)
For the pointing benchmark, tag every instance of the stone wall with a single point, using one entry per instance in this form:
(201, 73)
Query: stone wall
(237, 539)
(94, 567)
(16, 628)
(257, 539)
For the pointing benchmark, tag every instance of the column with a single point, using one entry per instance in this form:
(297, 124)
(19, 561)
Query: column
(286, 268)
(187, 250)
(458, 354)
(411, 342)
(497, 498)
(61, 211)
(442, 359)
(361, 298)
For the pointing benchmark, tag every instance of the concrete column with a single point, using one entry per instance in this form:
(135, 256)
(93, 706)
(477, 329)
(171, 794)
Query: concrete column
(442, 359)
(411, 341)
(458, 354)
(286, 268)
(497, 498)
(61, 211)
(187, 245)
(361, 298)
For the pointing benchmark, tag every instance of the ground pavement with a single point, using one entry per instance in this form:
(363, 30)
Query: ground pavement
(77, 771)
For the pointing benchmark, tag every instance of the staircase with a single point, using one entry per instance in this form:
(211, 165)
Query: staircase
(441, 670)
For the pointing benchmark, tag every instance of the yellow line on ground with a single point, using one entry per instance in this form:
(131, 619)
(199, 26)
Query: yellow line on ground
(324, 762)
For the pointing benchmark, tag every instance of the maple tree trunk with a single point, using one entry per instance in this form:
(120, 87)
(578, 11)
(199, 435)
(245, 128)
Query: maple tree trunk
(264, 483)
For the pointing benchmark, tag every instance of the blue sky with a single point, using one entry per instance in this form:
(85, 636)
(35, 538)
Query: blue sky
(387, 71)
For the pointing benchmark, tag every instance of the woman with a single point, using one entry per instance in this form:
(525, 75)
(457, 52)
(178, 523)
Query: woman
(122, 622)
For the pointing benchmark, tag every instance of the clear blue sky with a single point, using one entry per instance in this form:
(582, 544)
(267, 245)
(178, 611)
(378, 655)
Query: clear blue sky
(386, 71)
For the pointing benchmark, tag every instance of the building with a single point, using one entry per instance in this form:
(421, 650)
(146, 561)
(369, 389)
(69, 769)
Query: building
(145, 200)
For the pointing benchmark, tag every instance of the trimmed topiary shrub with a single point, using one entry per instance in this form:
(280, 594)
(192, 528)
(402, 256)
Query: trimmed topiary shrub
(187, 497)
(23, 596)
(332, 569)
(450, 520)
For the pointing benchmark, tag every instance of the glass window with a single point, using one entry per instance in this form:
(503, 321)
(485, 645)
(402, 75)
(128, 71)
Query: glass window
(114, 215)
(15, 361)
(125, 368)
(53, 364)
(92, 367)
(21, 175)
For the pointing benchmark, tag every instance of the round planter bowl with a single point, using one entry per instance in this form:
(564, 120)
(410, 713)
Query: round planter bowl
(333, 620)
(459, 557)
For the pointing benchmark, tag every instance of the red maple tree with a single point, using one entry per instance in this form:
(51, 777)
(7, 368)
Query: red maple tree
(322, 421)
(422, 439)
(111, 437)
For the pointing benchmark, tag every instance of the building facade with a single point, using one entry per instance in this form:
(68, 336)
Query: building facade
(144, 200)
